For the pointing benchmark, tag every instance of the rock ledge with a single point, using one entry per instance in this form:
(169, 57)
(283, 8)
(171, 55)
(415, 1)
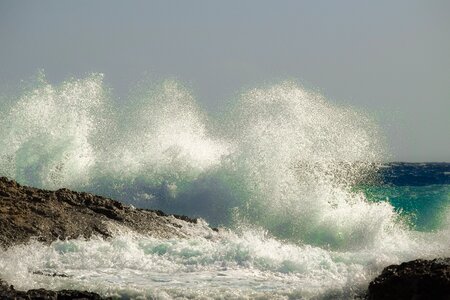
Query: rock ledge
(418, 279)
(8, 292)
(27, 212)
(30, 213)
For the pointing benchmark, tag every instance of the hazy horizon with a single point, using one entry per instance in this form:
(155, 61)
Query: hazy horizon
(388, 59)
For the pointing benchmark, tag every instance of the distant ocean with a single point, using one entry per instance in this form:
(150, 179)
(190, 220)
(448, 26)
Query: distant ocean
(418, 191)
(306, 205)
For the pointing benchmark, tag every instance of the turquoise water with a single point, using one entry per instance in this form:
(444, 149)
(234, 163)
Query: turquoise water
(419, 192)
(423, 207)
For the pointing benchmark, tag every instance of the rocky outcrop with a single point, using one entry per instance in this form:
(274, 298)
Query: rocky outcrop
(8, 292)
(418, 279)
(27, 212)
(30, 213)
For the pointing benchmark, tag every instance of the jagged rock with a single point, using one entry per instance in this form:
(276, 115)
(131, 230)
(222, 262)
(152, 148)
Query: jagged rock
(8, 292)
(27, 212)
(418, 279)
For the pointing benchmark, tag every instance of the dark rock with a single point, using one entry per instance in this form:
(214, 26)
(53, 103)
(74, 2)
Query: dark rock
(51, 274)
(8, 292)
(419, 279)
(27, 212)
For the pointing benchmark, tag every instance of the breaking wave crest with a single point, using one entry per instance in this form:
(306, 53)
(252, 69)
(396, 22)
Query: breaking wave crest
(283, 158)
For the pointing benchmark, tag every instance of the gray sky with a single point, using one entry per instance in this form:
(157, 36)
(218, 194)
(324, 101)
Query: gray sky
(391, 58)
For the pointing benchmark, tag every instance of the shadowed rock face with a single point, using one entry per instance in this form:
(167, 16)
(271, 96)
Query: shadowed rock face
(27, 212)
(8, 292)
(417, 279)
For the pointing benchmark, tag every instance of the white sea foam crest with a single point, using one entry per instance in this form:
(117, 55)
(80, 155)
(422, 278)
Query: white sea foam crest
(164, 137)
(246, 265)
(72, 135)
(286, 158)
(299, 156)
(45, 136)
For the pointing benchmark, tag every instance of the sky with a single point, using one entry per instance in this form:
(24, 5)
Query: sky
(389, 58)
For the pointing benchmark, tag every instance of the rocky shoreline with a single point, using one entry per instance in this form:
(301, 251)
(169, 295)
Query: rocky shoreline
(29, 213)
(8, 292)
(418, 279)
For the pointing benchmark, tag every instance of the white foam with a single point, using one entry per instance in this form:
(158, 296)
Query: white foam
(45, 137)
(299, 156)
(240, 265)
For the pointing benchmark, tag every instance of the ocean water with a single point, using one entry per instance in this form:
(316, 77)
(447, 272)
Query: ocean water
(299, 186)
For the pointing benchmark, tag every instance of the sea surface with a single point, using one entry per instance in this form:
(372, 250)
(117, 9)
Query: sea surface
(306, 204)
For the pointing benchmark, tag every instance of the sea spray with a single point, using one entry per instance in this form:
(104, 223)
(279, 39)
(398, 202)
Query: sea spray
(46, 136)
(163, 137)
(69, 136)
(285, 159)
(298, 156)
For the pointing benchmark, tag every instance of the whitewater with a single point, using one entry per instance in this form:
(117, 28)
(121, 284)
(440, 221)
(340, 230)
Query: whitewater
(282, 173)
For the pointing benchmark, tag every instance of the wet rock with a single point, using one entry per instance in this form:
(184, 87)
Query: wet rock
(419, 279)
(8, 292)
(51, 274)
(30, 213)
(27, 212)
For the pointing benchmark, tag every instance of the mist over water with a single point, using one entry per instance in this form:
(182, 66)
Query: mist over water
(278, 170)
